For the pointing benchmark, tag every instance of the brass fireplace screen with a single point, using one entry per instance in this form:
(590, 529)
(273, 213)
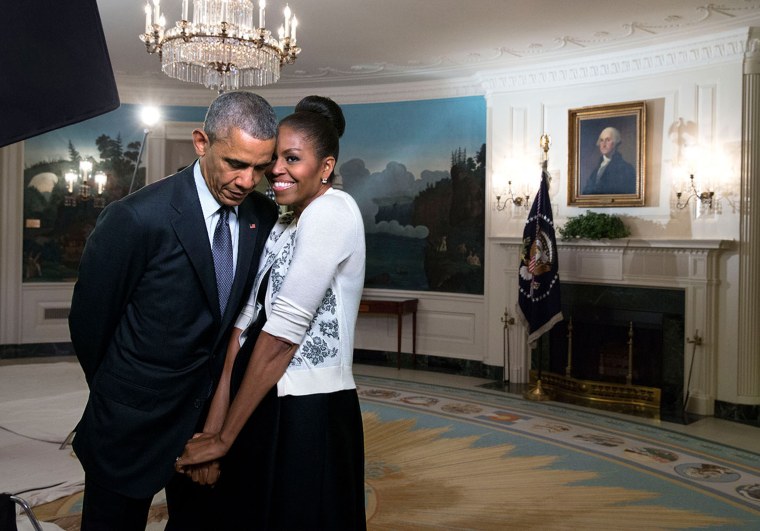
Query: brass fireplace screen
(613, 388)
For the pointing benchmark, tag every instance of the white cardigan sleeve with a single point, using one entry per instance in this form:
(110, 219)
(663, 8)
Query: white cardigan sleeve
(327, 235)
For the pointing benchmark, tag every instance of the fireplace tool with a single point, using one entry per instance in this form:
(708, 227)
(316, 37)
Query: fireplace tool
(507, 320)
(697, 341)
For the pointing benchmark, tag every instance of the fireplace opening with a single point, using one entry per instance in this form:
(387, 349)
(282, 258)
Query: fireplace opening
(620, 336)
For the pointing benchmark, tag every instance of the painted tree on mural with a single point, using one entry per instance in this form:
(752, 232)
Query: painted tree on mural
(426, 233)
(454, 211)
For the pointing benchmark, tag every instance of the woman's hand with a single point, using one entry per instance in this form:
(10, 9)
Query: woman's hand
(203, 448)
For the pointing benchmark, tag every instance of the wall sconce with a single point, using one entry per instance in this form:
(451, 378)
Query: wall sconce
(83, 178)
(705, 198)
(510, 199)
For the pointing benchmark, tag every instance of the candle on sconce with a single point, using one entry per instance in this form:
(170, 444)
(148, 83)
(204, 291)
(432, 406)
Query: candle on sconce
(157, 12)
(262, 6)
(71, 178)
(184, 10)
(498, 184)
(85, 166)
(147, 18)
(100, 180)
(281, 32)
(295, 25)
(680, 182)
(286, 11)
(708, 184)
(526, 189)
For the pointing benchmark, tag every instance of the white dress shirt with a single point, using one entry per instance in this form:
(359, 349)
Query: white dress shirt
(603, 165)
(210, 208)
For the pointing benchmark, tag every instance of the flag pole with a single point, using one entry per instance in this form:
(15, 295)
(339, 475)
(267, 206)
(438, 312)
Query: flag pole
(537, 393)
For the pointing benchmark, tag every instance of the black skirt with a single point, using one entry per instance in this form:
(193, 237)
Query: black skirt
(297, 464)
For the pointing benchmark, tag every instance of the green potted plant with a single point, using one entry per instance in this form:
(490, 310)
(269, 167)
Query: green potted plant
(594, 226)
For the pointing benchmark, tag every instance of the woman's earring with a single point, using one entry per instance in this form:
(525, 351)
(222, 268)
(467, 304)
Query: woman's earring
(324, 181)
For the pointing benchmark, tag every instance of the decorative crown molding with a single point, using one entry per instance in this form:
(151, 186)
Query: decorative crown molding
(687, 20)
(708, 50)
(727, 47)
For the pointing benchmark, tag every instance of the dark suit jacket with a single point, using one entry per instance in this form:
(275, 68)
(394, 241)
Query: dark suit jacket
(146, 327)
(619, 177)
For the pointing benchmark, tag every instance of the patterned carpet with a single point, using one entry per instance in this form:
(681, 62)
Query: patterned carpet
(445, 458)
(448, 458)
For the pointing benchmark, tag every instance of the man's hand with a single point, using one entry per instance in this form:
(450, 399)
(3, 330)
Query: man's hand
(204, 474)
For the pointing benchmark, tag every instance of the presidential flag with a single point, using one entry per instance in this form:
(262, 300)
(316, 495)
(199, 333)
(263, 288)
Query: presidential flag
(539, 297)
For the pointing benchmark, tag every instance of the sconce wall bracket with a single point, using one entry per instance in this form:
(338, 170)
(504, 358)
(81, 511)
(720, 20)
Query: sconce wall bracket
(705, 198)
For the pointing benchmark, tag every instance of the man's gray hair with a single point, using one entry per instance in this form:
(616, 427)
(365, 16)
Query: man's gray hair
(242, 110)
(615, 135)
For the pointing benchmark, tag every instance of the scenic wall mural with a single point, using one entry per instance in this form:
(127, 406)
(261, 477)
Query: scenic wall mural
(416, 169)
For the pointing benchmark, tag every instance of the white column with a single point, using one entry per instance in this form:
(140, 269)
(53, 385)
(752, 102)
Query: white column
(748, 373)
(11, 234)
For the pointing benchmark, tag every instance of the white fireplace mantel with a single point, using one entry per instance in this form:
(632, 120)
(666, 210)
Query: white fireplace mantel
(644, 243)
(691, 265)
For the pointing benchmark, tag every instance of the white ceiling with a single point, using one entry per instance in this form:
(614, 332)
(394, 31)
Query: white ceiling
(370, 42)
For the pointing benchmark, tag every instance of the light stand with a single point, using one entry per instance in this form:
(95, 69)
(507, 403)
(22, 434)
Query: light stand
(149, 117)
(139, 157)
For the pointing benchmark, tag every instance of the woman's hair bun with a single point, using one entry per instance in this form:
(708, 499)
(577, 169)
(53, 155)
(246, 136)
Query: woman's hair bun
(324, 107)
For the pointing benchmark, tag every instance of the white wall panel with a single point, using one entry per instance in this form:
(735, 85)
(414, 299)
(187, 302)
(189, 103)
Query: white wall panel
(45, 312)
(448, 325)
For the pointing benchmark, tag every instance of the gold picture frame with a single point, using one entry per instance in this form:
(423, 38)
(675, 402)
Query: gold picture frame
(607, 155)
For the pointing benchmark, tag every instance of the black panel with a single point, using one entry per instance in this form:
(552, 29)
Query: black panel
(54, 67)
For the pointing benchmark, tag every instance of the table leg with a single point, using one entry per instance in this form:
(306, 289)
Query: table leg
(398, 331)
(414, 339)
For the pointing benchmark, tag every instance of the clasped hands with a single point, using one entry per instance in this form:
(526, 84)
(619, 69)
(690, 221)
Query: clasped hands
(200, 458)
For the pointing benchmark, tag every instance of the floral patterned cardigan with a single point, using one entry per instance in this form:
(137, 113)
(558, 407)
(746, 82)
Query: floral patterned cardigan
(316, 275)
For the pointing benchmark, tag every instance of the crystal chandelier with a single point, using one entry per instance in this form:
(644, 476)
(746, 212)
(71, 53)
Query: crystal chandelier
(221, 48)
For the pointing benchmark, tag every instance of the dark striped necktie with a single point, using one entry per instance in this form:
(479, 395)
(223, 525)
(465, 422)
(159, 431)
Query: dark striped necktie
(221, 249)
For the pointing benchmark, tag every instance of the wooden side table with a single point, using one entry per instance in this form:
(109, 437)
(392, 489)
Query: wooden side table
(399, 308)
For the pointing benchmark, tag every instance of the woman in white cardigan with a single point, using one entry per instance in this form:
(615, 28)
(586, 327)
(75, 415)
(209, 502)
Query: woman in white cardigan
(285, 418)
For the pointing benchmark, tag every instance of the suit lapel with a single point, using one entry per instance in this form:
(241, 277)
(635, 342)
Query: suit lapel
(190, 229)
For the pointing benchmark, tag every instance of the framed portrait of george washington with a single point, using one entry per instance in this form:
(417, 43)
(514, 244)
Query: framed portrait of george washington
(607, 155)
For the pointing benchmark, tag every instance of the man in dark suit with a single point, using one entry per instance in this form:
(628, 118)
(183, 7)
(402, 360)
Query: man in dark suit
(613, 175)
(154, 304)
